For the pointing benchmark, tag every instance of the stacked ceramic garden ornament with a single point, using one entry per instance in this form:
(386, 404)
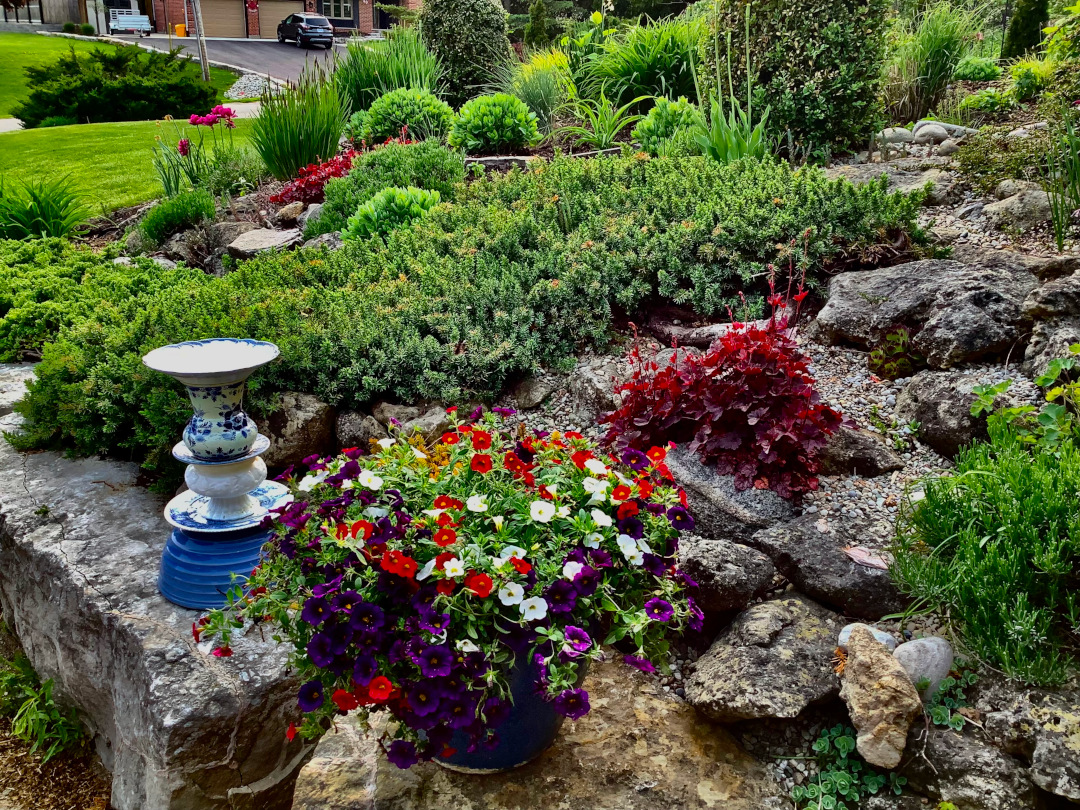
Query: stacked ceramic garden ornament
(218, 529)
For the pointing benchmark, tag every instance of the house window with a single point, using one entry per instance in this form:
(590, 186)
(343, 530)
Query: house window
(338, 9)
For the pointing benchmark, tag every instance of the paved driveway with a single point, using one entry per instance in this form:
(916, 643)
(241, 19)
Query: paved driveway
(265, 56)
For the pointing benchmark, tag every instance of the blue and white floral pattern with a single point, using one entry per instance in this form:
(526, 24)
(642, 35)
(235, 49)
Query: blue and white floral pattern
(219, 430)
(187, 510)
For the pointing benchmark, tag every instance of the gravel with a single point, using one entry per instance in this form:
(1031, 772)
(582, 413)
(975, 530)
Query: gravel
(249, 85)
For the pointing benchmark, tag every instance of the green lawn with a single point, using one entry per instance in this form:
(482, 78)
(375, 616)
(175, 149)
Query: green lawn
(110, 163)
(18, 51)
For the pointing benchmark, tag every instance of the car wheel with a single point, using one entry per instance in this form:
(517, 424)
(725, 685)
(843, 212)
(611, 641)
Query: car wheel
(299, 42)
(280, 38)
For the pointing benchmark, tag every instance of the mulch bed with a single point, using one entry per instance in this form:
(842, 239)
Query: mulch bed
(70, 781)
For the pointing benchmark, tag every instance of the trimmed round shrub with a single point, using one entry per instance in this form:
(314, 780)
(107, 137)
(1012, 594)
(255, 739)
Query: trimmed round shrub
(87, 30)
(470, 39)
(977, 69)
(815, 63)
(69, 28)
(418, 112)
(58, 121)
(663, 122)
(491, 125)
(177, 214)
(1025, 28)
(389, 209)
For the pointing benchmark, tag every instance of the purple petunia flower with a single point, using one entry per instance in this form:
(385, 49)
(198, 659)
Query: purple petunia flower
(561, 596)
(364, 670)
(687, 580)
(423, 698)
(680, 519)
(474, 666)
(433, 621)
(577, 638)
(506, 413)
(345, 602)
(635, 459)
(366, 616)
(435, 660)
(403, 754)
(458, 713)
(340, 637)
(654, 508)
(600, 558)
(587, 581)
(644, 664)
(659, 610)
(697, 616)
(632, 526)
(654, 564)
(320, 650)
(496, 712)
(311, 696)
(572, 703)
(316, 611)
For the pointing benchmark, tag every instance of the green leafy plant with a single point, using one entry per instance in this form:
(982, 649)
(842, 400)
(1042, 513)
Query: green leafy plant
(843, 779)
(371, 69)
(1062, 183)
(36, 718)
(87, 30)
(301, 125)
(601, 122)
(655, 59)
(988, 100)
(38, 208)
(1030, 77)
(666, 120)
(977, 69)
(178, 213)
(1025, 28)
(416, 114)
(1064, 35)
(951, 696)
(489, 125)
(389, 209)
(894, 356)
(469, 38)
(996, 547)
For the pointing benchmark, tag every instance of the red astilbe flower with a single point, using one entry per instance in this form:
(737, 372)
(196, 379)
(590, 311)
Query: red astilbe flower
(310, 184)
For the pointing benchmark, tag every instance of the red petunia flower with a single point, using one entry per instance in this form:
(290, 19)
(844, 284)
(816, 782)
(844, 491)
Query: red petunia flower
(656, 454)
(341, 532)
(628, 509)
(452, 409)
(621, 493)
(363, 526)
(222, 652)
(290, 734)
(445, 586)
(195, 631)
(644, 487)
(481, 440)
(445, 537)
(580, 457)
(520, 565)
(446, 502)
(480, 463)
(545, 493)
(380, 688)
(346, 701)
(445, 520)
(480, 584)
(450, 438)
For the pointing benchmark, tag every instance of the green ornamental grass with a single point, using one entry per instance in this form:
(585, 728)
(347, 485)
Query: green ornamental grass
(40, 208)
(371, 69)
(177, 213)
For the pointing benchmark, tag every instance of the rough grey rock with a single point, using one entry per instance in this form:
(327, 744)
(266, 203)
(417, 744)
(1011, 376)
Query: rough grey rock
(123, 261)
(1010, 187)
(889, 801)
(730, 575)
(163, 263)
(809, 552)
(302, 424)
(927, 659)
(1043, 729)
(13, 380)
(857, 451)
(886, 639)
(432, 423)
(1021, 211)
(289, 213)
(330, 241)
(355, 429)
(387, 411)
(175, 247)
(591, 386)
(948, 147)
(961, 769)
(720, 510)
(881, 700)
(959, 312)
(247, 204)
(907, 175)
(694, 337)
(940, 401)
(773, 661)
(932, 133)
(955, 130)
(895, 135)
(80, 546)
(532, 391)
(970, 211)
(635, 749)
(313, 211)
(136, 243)
(1055, 308)
(227, 231)
(260, 240)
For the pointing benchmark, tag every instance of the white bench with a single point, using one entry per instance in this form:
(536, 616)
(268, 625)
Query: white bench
(128, 22)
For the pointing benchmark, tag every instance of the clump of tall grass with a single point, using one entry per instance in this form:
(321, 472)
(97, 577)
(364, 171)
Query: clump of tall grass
(542, 82)
(1063, 185)
(301, 125)
(926, 51)
(39, 208)
(371, 69)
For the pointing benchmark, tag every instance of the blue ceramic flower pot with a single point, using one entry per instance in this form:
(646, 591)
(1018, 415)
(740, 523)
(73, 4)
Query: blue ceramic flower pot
(532, 726)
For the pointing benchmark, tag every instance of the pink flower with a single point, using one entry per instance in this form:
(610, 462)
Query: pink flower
(194, 120)
(223, 112)
(183, 146)
(210, 119)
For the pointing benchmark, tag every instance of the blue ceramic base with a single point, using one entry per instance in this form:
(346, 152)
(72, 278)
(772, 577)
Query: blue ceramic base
(197, 573)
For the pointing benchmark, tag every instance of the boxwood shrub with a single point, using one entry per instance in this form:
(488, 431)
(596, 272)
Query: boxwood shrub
(419, 112)
(520, 271)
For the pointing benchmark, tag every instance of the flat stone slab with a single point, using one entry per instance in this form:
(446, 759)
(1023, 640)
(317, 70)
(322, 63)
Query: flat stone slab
(250, 243)
(636, 749)
(13, 379)
(80, 545)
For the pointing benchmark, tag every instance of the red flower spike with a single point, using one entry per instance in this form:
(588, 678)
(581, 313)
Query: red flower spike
(480, 463)
(290, 733)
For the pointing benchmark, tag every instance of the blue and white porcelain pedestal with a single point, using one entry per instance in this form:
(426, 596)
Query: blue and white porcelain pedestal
(217, 524)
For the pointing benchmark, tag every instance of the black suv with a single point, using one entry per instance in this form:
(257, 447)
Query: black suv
(306, 29)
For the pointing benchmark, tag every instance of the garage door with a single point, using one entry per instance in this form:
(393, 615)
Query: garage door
(224, 18)
(271, 12)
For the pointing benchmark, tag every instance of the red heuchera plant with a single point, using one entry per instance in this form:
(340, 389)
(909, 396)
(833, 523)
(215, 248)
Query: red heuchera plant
(309, 186)
(748, 405)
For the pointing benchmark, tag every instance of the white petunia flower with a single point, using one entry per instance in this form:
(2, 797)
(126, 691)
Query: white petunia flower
(596, 467)
(425, 572)
(643, 544)
(593, 540)
(542, 511)
(467, 646)
(571, 569)
(376, 512)
(552, 488)
(309, 482)
(454, 567)
(594, 485)
(637, 558)
(534, 608)
(498, 521)
(600, 519)
(369, 479)
(477, 503)
(434, 512)
(598, 497)
(563, 511)
(511, 594)
(627, 544)
(386, 443)
(347, 484)
(419, 453)
(511, 551)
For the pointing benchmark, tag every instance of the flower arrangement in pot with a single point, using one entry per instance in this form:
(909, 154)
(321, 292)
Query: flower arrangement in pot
(462, 587)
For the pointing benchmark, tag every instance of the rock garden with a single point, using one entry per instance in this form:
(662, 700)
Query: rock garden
(643, 416)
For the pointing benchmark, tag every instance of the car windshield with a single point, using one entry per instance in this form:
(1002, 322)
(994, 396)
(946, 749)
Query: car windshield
(320, 21)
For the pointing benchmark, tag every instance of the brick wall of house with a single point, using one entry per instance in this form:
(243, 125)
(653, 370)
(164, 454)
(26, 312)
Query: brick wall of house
(365, 18)
(413, 5)
(252, 20)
